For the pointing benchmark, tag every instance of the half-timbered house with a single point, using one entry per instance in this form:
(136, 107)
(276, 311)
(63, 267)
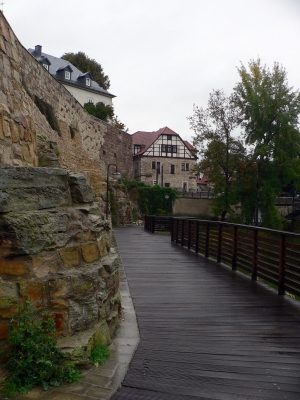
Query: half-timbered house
(163, 158)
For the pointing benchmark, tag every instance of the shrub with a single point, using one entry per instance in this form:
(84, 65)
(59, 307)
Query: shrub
(99, 354)
(32, 353)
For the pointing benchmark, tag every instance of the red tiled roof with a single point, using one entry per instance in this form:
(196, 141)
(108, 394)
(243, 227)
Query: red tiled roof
(203, 180)
(145, 139)
(189, 145)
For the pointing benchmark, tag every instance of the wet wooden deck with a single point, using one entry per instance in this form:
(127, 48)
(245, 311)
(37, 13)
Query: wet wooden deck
(206, 332)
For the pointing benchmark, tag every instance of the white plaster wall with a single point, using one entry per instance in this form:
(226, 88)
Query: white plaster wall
(82, 95)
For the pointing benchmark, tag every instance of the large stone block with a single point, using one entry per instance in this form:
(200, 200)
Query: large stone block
(81, 191)
(28, 188)
(77, 349)
(35, 292)
(32, 232)
(8, 299)
(90, 252)
(60, 288)
(46, 265)
(83, 313)
(70, 256)
(13, 268)
(3, 331)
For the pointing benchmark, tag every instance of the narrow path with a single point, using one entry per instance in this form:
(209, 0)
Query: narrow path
(206, 332)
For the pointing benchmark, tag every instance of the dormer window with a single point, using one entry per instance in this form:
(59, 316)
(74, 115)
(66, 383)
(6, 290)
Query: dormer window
(88, 82)
(46, 66)
(67, 75)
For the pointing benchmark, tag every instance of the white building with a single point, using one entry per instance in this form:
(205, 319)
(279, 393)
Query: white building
(80, 85)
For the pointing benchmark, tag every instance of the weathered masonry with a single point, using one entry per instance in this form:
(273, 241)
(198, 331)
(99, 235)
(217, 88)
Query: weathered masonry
(55, 243)
(84, 143)
(55, 251)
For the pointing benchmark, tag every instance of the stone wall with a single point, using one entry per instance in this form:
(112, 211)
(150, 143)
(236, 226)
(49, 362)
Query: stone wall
(55, 251)
(143, 167)
(189, 206)
(85, 143)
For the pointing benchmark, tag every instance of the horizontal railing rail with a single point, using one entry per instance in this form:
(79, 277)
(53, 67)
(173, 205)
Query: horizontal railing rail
(154, 223)
(196, 195)
(264, 254)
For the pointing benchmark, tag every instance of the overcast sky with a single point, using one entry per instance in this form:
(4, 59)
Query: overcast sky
(163, 56)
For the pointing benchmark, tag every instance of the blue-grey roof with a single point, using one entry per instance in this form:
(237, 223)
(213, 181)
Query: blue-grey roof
(58, 64)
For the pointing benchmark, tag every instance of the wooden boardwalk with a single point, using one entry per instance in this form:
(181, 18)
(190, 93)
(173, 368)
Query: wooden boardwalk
(206, 332)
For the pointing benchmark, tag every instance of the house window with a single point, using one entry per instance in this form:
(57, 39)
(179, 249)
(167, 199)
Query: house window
(185, 167)
(136, 148)
(168, 148)
(184, 186)
(172, 170)
(153, 165)
(158, 166)
(88, 82)
(167, 184)
(67, 75)
(169, 137)
(46, 66)
(90, 100)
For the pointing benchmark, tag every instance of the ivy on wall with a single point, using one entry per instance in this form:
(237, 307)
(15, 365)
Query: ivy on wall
(152, 200)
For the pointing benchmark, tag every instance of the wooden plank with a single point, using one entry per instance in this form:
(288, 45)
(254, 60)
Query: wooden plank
(274, 242)
(267, 278)
(205, 331)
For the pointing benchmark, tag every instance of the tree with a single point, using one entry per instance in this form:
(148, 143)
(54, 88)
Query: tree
(106, 113)
(100, 110)
(270, 118)
(220, 151)
(118, 124)
(86, 64)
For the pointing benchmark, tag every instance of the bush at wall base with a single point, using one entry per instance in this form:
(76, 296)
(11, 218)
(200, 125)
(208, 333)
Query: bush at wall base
(32, 355)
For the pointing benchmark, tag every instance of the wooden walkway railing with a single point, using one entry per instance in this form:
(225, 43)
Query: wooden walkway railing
(265, 254)
(158, 224)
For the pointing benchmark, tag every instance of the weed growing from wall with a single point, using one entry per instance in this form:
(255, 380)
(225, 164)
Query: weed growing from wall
(33, 357)
(47, 110)
(99, 355)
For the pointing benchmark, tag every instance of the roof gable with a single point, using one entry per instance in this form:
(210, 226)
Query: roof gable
(65, 68)
(147, 139)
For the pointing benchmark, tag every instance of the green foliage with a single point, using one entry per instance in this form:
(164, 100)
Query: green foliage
(152, 200)
(219, 150)
(47, 110)
(99, 354)
(118, 124)
(269, 115)
(106, 113)
(32, 353)
(100, 110)
(86, 64)
(247, 179)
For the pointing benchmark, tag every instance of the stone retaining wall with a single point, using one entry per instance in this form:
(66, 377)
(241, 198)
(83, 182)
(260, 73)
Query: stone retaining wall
(85, 144)
(55, 250)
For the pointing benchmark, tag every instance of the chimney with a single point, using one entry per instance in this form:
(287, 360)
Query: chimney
(38, 50)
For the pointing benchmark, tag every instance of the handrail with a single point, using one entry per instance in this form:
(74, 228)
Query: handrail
(265, 254)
